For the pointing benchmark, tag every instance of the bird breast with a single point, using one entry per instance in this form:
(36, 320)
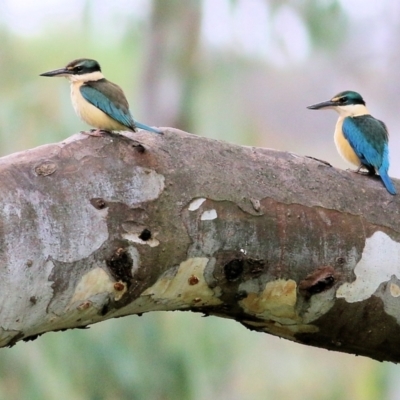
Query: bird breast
(343, 145)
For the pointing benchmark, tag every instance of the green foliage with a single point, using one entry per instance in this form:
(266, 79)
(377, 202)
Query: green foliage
(327, 24)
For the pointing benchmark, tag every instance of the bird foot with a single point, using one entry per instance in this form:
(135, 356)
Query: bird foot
(357, 171)
(95, 132)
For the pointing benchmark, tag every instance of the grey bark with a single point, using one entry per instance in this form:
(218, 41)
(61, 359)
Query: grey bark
(96, 228)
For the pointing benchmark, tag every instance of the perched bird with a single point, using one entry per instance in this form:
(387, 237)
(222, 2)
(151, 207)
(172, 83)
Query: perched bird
(360, 138)
(97, 101)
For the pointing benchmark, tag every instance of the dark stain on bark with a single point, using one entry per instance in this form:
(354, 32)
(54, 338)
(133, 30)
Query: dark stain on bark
(240, 295)
(105, 309)
(235, 266)
(120, 265)
(361, 328)
(233, 269)
(256, 267)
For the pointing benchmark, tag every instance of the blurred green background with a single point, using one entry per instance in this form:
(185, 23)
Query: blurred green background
(238, 70)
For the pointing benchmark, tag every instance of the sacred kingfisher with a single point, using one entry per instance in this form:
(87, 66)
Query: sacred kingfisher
(360, 138)
(97, 101)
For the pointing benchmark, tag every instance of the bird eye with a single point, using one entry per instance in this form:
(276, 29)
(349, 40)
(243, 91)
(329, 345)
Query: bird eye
(342, 100)
(78, 68)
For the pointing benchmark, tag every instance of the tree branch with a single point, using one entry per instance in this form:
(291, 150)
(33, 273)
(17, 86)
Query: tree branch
(96, 228)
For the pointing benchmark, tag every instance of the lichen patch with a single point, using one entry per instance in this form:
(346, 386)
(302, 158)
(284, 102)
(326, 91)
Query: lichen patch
(394, 290)
(94, 282)
(178, 291)
(379, 261)
(276, 302)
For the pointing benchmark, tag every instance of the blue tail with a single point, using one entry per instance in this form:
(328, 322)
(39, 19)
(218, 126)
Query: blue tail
(147, 128)
(386, 181)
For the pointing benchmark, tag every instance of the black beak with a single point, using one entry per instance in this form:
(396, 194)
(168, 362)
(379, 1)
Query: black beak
(324, 104)
(57, 72)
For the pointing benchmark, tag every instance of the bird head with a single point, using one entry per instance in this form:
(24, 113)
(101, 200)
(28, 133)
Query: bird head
(347, 103)
(82, 69)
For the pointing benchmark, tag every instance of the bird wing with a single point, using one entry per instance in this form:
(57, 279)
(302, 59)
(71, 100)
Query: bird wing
(369, 139)
(110, 99)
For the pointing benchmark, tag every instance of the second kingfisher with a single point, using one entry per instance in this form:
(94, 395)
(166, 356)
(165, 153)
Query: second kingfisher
(99, 102)
(360, 138)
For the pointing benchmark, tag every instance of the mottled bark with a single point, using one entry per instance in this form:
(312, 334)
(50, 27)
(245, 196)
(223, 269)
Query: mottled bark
(95, 228)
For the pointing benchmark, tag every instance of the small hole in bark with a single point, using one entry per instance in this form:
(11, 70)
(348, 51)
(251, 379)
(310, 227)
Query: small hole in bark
(139, 147)
(119, 286)
(340, 260)
(99, 204)
(145, 235)
(193, 280)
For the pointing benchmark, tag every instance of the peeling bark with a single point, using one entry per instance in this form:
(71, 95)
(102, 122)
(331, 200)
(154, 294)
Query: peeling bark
(97, 228)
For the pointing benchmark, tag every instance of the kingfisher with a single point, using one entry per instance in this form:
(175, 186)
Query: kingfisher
(360, 138)
(97, 101)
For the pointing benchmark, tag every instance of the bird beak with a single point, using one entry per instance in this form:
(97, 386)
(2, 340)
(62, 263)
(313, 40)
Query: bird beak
(57, 72)
(324, 104)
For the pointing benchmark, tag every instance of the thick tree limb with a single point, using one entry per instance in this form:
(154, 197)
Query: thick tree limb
(95, 228)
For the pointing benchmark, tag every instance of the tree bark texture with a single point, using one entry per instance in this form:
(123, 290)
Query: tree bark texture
(96, 228)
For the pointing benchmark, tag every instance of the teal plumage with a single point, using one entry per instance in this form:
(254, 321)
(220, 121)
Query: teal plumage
(96, 100)
(368, 137)
(360, 138)
(112, 102)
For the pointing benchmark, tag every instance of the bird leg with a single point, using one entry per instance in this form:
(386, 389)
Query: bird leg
(370, 170)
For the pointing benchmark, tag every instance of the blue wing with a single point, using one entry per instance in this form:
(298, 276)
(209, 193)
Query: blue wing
(110, 99)
(369, 139)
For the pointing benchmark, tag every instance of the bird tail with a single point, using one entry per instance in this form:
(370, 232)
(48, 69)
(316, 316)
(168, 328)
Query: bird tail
(147, 128)
(386, 181)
